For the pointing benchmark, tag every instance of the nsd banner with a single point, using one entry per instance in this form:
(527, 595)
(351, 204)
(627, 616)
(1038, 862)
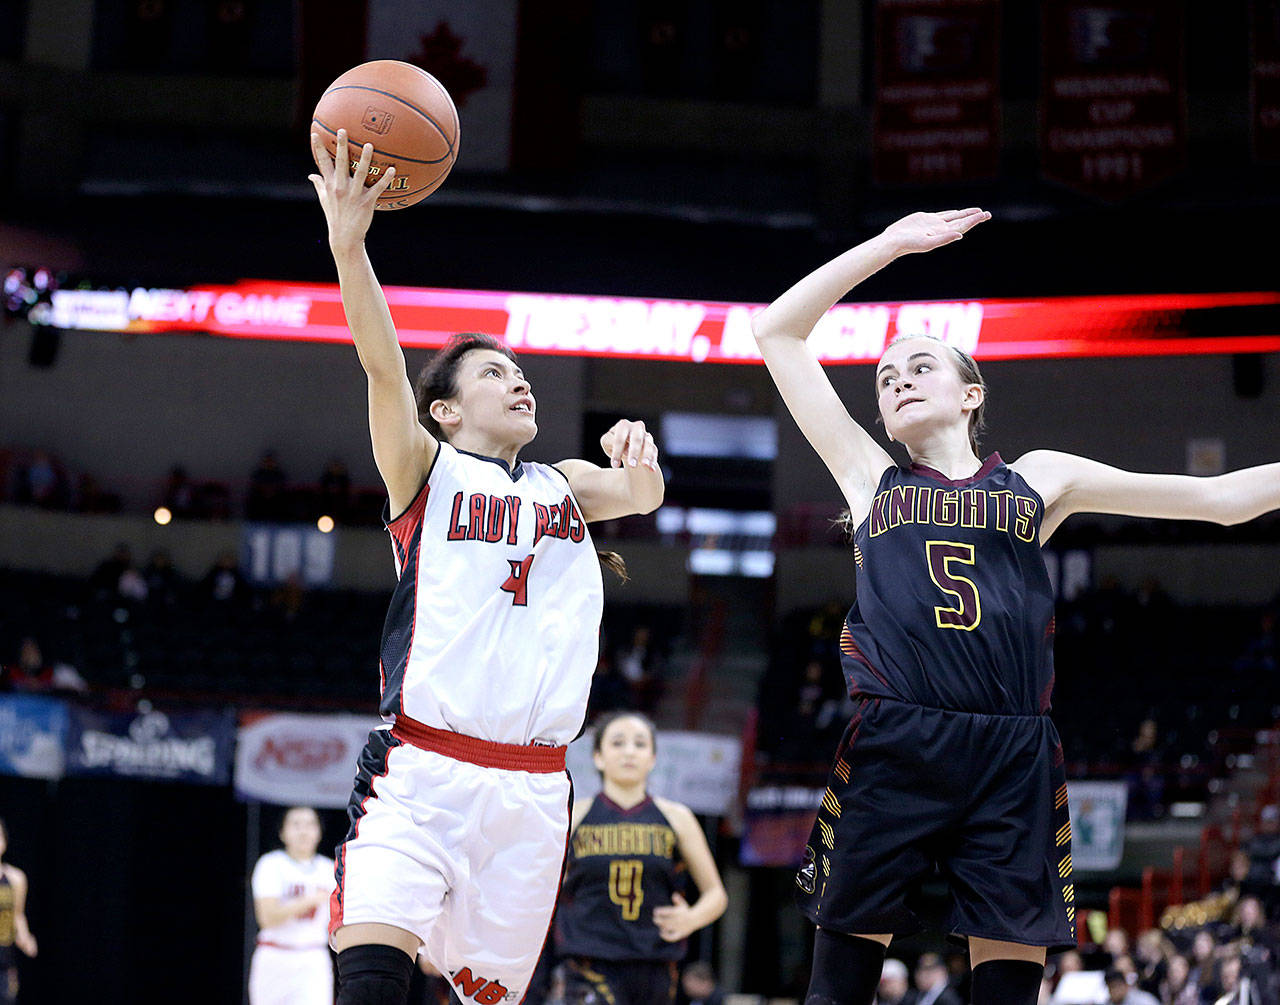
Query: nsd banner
(937, 105)
(1113, 101)
(33, 736)
(159, 746)
(1097, 823)
(287, 758)
(696, 769)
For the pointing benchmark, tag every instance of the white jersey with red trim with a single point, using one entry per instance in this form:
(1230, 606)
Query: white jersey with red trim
(283, 877)
(493, 629)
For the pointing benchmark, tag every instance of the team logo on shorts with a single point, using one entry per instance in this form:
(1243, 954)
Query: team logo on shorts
(479, 989)
(807, 877)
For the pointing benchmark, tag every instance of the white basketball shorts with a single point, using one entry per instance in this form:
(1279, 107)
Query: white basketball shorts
(461, 842)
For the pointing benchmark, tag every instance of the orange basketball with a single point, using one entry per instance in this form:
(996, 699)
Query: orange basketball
(405, 113)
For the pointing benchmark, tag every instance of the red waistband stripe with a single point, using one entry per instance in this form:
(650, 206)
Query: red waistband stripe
(486, 753)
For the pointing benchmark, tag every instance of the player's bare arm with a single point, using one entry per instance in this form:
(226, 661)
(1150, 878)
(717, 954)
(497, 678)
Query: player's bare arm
(850, 453)
(581, 807)
(1069, 484)
(682, 919)
(22, 936)
(272, 911)
(631, 484)
(402, 448)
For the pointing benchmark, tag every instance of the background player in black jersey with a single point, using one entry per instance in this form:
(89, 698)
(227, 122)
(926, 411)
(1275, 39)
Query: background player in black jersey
(14, 932)
(950, 760)
(621, 923)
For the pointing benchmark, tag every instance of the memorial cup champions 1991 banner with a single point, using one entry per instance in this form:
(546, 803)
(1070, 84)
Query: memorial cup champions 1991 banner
(1113, 99)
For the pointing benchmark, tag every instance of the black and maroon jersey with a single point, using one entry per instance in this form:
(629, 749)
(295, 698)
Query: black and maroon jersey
(954, 606)
(622, 864)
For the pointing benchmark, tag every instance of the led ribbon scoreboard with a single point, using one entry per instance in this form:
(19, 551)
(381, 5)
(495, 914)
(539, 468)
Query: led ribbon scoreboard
(691, 331)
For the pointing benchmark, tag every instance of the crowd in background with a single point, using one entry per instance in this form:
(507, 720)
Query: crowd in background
(39, 478)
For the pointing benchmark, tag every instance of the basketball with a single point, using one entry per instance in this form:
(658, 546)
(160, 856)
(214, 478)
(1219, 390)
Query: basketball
(405, 113)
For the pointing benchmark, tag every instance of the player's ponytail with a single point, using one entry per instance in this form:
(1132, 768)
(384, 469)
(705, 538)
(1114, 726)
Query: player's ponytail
(439, 379)
(612, 561)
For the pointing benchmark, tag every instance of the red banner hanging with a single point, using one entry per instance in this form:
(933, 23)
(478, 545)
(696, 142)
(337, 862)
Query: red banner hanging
(1265, 18)
(937, 107)
(1113, 100)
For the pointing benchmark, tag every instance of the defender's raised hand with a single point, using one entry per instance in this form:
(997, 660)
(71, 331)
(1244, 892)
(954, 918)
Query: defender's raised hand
(347, 202)
(926, 231)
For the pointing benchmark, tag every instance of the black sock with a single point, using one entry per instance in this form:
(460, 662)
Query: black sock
(846, 969)
(1007, 982)
(374, 975)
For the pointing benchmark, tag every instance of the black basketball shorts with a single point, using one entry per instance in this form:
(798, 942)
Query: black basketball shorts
(981, 797)
(619, 982)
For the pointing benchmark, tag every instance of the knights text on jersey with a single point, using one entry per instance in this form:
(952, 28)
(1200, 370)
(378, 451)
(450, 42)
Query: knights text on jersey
(954, 606)
(493, 629)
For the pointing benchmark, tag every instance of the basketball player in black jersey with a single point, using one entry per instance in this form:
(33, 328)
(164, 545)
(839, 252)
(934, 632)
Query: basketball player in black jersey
(950, 760)
(14, 933)
(622, 923)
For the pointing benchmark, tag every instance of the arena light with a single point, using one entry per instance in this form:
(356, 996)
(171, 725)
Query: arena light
(696, 331)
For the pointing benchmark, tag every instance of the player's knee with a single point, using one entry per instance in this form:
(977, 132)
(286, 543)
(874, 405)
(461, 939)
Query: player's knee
(846, 969)
(373, 975)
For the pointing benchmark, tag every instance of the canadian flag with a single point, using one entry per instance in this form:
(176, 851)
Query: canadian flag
(470, 47)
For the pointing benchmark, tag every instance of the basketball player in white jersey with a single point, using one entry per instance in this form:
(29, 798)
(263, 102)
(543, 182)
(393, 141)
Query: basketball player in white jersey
(460, 813)
(291, 887)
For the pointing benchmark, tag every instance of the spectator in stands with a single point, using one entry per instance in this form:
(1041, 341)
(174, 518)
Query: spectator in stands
(609, 692)
(893, 988)
(1235, 985)
(42, 482)
(1115, 944)
(1238, 882)
(31, 672)
(179, 495)
(638, 664)
(223, 588)
(335, 490)
(932, 986)
(1257, 938)
(28, 670)
(162, 581)
(266, 499)
(698, 982)
(105, 579)
(1264, 853)
(1204, 964)
(287, 600)
(1151, 955)
(1177, 988)
(1120, 992)
(92, 498)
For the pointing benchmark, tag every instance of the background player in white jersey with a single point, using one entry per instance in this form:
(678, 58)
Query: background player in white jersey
(291, 887)
(460, 813)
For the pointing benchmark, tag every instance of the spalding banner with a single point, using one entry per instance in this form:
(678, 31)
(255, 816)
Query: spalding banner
(287, 758)
(188, 746)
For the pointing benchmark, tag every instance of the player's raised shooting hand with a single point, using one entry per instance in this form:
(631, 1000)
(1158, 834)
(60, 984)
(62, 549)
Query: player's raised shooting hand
(926, 231)
(347, 202)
